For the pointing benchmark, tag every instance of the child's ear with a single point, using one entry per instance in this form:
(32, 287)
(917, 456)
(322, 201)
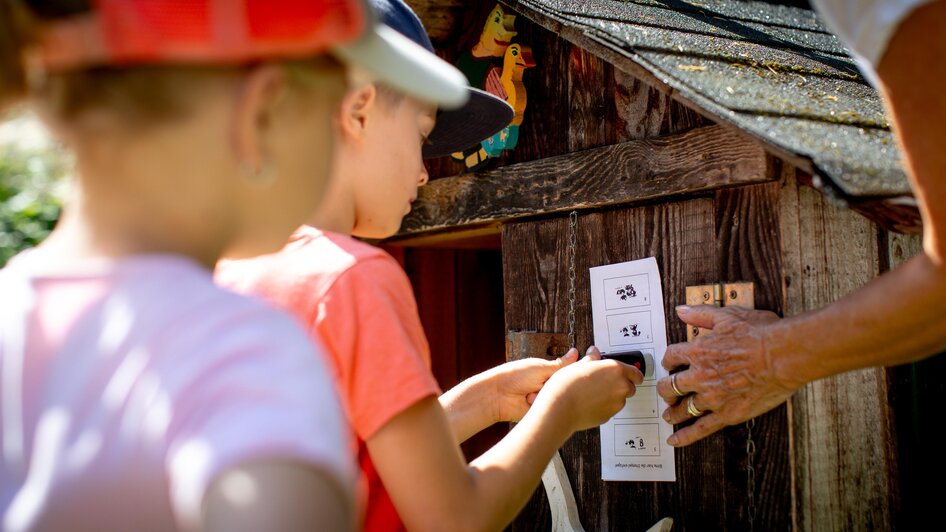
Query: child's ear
(254, 108)
(356, 110)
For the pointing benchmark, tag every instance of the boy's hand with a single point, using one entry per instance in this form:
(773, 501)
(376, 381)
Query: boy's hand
(516, 384)
(591, 391)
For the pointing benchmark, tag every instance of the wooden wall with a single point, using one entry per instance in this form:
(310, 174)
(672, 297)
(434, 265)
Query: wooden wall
(863, 441)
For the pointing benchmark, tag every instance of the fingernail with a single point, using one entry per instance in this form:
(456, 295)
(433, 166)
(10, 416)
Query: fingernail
(672, 440)
(666, 416)
(682, 309)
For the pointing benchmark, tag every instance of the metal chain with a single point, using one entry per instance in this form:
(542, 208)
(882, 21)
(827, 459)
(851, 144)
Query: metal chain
(572, 252)
(750, 473)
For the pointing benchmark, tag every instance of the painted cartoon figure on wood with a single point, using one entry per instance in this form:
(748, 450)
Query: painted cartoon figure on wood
(496, 64)
(506, 83)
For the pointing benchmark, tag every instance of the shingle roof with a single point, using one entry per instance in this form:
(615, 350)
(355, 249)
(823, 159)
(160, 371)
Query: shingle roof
(774, 71)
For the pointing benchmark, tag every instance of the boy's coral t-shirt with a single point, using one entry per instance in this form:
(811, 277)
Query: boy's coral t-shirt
(357, 300)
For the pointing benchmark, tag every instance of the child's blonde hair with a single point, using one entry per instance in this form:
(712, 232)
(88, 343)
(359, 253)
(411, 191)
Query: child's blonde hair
(141, 95)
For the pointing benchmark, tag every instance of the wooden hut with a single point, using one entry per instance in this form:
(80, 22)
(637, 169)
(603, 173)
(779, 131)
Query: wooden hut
(734, 141)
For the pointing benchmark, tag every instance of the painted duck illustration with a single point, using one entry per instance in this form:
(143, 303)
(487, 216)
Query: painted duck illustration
(506, 83)
(495, 38)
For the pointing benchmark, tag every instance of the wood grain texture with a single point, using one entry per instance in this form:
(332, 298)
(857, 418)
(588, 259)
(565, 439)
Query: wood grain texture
(902, 247)
(644, 111)
(748, 249)
(841, 426)
(592, 108)
(701, 159)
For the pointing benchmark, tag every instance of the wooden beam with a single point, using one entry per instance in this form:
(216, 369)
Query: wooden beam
(701, 159)
(478, 237)
(898, 215)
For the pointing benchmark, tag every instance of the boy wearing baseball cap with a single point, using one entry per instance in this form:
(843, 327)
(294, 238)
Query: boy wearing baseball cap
(357, 299)
(136, 394)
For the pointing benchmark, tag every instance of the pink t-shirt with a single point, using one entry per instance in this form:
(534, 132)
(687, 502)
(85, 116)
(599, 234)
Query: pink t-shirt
(127, 386)
(357, 299)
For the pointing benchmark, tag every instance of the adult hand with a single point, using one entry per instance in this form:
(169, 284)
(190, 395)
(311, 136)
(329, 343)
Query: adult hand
(516, 384)
(730, 377)
(591, 391)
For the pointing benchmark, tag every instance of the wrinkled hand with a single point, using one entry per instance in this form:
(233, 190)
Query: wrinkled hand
(592, 390)
(516, 384)
(730, 376)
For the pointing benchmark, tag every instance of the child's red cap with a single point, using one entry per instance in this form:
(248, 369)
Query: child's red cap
(127, 32)
(131, 32)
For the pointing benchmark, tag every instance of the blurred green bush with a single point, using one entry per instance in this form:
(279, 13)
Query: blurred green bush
(32, 183)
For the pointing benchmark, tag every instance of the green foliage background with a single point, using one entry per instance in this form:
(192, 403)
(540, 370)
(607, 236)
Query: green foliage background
(32, 179)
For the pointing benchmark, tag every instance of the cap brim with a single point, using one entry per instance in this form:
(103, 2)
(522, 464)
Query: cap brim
(403, 65)
(483, 116)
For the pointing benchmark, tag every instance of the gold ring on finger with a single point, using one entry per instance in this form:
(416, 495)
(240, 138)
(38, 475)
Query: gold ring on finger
(692, 409)
(673, 385)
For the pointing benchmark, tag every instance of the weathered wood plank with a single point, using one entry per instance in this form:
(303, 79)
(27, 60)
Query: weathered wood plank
(702, 159)
(644, 111)
(748, 245)
(591, 101)
(841, 428)
(901, 248)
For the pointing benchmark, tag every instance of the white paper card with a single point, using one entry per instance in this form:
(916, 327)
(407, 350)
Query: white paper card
(628, 312)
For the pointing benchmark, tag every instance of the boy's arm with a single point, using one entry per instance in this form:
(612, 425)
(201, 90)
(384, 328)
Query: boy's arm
(503, 393)
(423, 470)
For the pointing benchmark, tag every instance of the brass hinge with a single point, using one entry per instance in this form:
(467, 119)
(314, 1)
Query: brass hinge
(525, 344)
(720, 295)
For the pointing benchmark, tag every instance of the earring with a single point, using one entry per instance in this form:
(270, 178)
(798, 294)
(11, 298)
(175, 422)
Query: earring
(263, 175)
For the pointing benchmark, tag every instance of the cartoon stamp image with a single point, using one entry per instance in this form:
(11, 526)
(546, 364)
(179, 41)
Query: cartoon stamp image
(630, 330)
(626, 291)
(637, 440)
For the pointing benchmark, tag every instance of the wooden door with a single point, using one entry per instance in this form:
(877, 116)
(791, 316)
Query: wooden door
(732, 235)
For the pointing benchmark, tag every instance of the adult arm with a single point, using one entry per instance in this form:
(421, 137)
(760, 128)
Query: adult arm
(753, 362)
